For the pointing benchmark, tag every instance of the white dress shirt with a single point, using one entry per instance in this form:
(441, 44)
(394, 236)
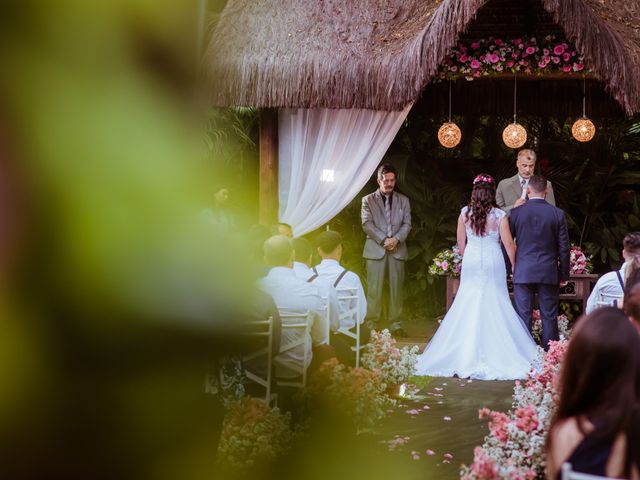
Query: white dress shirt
(326, 290)
(607, 284)
(293, 295)
(331, 270)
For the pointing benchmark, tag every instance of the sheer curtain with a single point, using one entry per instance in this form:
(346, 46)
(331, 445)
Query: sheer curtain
(325, 158)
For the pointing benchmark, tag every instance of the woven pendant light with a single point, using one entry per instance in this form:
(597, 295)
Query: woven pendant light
(515, 135)
(449, 134)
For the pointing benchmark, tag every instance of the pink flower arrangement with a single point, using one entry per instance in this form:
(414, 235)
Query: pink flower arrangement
(579, 263)
(514, 447)
(447, 262)
(523, 55)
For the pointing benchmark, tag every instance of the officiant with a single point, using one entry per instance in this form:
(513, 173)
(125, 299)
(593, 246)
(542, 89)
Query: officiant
(512, 192)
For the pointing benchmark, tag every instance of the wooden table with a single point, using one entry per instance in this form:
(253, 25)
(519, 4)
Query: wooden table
(578, 288)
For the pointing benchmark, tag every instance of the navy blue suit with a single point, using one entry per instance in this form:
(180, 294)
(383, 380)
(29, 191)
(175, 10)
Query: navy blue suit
(542, 262)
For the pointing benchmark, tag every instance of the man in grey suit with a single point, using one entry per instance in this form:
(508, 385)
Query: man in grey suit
(512, 192)
(386, 219)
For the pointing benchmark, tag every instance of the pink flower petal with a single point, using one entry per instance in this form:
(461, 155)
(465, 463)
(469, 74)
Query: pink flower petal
(448, 456)
(426, 407)
(429, 452)
(438, 389)
(446, 419)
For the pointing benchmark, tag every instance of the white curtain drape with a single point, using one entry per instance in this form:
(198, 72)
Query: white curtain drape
(326, 157)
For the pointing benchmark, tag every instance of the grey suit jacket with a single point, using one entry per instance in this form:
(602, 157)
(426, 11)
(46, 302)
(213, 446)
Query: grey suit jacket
(374, 224)
(509, 190)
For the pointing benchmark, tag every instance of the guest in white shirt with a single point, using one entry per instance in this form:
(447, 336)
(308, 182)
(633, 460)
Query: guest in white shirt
(291, 294)
(612, 283)
(329, 245)
(303, 257)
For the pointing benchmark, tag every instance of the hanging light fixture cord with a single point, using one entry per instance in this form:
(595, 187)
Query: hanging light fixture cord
(515, 89)
(584, 97)
(449, 100)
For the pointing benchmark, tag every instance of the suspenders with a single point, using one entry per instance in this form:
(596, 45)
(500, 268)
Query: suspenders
(335, 284)
(620, 279)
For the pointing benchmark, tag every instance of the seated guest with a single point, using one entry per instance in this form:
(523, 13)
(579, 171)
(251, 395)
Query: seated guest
(302, 256)
(293, 295)
(612, 283)
(596, 427)
(329, 245)
(284, 229)
(631, 302)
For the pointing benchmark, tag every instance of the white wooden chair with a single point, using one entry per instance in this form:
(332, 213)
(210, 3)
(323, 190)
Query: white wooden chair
(327, 316)
(296, 333)
(608, 300)
(350, 310)
(261, 329)
(569, 474)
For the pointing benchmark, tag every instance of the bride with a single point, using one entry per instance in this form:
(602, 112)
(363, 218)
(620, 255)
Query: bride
(481, 336)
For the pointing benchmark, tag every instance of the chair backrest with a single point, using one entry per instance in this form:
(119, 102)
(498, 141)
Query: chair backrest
(260, 375)
(349, 301)
(608, 300)
(569, 474)
(296, 339)
(327, 316)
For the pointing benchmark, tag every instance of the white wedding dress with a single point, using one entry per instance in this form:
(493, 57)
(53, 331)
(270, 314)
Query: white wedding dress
(481, 336)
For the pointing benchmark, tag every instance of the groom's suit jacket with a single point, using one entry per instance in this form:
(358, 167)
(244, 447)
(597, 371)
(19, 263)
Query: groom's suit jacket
(542, 243)
(509, 190)
(374, 224)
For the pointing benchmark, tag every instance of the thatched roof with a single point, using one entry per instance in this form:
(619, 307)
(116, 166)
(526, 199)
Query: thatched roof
(380, 54)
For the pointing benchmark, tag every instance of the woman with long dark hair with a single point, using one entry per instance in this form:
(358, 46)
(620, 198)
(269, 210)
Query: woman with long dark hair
(481, 336)
(597, 425)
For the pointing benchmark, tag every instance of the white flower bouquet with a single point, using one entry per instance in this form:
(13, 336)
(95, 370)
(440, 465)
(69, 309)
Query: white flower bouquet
(394, 365)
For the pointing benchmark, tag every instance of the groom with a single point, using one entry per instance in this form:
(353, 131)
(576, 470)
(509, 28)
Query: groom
(542, 257)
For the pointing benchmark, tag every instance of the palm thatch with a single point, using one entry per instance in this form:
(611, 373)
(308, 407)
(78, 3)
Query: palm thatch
(380, 54)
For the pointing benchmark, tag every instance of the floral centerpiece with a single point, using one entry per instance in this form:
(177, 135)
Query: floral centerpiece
(253, 433)
(526, 55)
(579, 263)
(447, 263)
(564, 328)
(358, 391)
(394, 365)
(514, 447)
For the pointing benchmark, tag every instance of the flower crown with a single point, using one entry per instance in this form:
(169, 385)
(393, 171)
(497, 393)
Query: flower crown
(482, 178)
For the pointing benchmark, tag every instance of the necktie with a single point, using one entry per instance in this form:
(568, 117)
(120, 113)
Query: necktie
(387, 214)
(524, 190)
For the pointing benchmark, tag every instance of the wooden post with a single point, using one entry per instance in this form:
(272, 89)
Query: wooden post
(268, 196)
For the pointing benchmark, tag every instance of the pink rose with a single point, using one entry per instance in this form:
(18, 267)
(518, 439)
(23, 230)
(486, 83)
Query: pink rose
(517, 41)
(483, 58)
(498, 67)
(566, 56)
(515, 55)
(475, 46)
(578, 66)
(542, 64)
(493, 58)
(545, 51)
(530, 50)
(477, 74)
(445, 265)
(555, 60)
(558, 50)
(520, 46)
(462, 58)
(510, 64)
(454, 69)
(475, 64)
(499, 42)
(566, 68)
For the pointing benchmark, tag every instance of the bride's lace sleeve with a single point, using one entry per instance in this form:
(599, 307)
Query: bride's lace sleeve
(493, 220)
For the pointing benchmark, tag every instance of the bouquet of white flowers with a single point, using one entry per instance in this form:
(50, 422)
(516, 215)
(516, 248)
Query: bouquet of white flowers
(394, 365)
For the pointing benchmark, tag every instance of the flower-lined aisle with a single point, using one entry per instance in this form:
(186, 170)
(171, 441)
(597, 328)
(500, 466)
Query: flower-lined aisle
(514, 448)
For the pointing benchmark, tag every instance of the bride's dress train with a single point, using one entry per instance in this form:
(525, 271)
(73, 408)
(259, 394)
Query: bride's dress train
(481, 336)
